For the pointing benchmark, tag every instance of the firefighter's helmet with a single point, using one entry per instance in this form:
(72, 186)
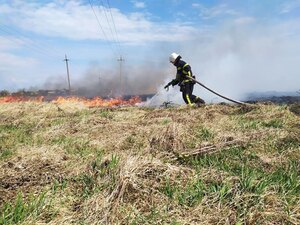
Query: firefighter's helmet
(173, 57)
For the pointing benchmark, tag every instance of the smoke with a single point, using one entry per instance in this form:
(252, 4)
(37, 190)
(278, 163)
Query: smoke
(55, 83)
(239, 58)
(94, 82)
(141, 79)
(171, 96)
(145, 78)
(242, 58)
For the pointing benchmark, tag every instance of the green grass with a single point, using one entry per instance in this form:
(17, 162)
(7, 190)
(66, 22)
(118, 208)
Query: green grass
(286, 143)
(204, 134)
(247, 124)
(192, 194)
(150, 218)
(102, 176)
(59, 185)
(247, 191)
(194, 191)
(5, 153)
(169, 190)
(251, 181)
(274, 123)
(106, 114)
(286, 179)
(21, 209)
(155, 216)
(75, 145)
(253, 177)
(166, 121)
(12, 136)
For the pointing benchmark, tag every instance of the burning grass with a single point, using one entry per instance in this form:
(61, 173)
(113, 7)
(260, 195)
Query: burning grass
(220, 164)
(94, 102)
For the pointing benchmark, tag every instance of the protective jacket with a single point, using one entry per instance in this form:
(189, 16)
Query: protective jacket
(183, 72)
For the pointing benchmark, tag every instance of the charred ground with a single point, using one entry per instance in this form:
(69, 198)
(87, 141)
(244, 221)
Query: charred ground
(220, 164)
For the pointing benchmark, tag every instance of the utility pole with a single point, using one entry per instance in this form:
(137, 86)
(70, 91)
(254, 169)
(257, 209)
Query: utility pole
(68, 74)
(121, 60)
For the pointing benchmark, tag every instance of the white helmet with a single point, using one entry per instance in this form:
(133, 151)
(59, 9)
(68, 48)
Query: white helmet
(173, 57)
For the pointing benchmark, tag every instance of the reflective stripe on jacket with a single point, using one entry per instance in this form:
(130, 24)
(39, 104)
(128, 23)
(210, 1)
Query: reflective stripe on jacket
(183, 70)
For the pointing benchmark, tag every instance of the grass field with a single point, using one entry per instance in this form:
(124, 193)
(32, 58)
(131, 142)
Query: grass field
(219, 164)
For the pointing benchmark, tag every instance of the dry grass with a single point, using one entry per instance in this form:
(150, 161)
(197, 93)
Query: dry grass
(220, 164)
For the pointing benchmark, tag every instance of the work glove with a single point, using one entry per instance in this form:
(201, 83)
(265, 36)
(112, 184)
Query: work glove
(167, 86)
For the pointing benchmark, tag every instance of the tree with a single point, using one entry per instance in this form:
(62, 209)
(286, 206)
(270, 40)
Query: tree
(4, 93)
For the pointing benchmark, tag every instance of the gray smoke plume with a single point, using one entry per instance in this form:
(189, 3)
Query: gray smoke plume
(240, 58)
(107, 83)
(251, 58)
(58, 82)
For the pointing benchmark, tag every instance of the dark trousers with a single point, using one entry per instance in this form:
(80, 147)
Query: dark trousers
(187, 94)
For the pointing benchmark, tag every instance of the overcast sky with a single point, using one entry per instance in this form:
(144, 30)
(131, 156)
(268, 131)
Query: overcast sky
(233, 46)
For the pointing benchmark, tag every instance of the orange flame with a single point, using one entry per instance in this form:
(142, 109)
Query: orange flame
(95, 102)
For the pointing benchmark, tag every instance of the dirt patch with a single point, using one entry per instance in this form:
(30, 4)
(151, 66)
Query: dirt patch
(26, 176)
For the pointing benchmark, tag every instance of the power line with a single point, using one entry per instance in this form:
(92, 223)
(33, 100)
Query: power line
(103, 9)
(24, 43)
(112, 18)
(99, 23)
(19, 41)
(22, 39)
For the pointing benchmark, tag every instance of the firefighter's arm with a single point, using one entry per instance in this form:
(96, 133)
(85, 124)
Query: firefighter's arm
(172, 82)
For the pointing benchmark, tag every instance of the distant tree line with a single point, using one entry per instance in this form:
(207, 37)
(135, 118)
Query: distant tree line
(22, 92)
(35, 93)
(4, 93)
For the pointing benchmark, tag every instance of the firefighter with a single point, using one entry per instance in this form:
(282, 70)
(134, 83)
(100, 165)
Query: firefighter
(186, 85)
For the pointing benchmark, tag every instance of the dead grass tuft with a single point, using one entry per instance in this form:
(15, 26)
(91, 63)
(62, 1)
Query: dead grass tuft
(138, 184)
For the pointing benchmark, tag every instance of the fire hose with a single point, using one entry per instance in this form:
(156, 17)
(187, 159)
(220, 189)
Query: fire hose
(229, 99)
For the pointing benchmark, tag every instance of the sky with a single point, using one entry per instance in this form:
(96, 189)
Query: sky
(234, 47)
